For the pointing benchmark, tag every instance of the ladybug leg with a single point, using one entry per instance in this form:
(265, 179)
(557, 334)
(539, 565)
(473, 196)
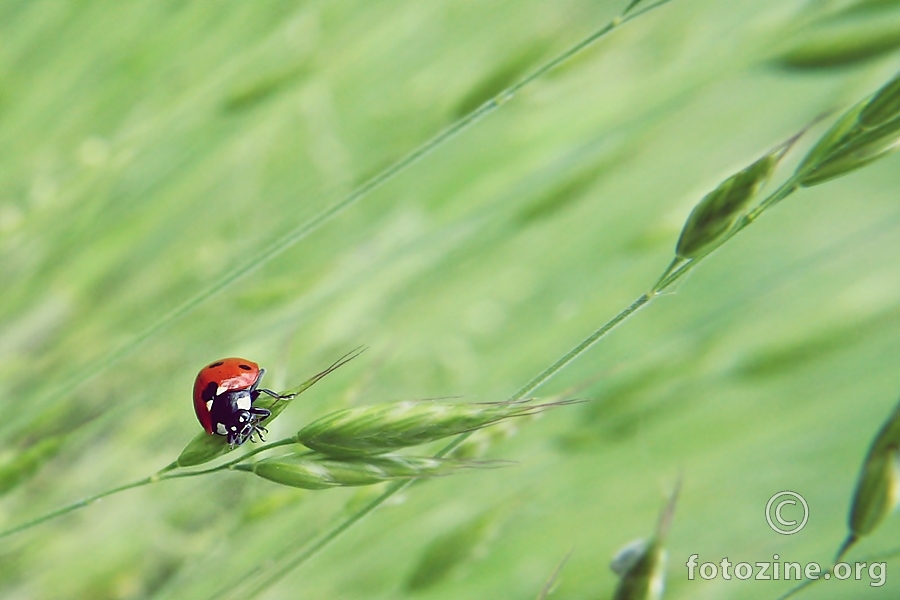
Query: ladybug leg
(262, 373)
(262, 413)
(255, 390)
(241, 425)
(233, 437)
(259, 430)
(259, 414)
(273, 394)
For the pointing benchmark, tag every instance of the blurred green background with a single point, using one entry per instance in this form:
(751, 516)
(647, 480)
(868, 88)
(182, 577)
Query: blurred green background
(148, 149)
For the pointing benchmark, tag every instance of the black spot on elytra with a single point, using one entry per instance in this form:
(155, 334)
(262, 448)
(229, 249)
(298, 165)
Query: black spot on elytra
(216, 364)
(245, 367)
(210, 391)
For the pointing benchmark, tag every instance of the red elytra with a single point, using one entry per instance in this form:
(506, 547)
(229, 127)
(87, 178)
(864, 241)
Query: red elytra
(224, 393)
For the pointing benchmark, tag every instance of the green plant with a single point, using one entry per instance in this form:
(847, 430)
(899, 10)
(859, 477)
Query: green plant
(158, 159)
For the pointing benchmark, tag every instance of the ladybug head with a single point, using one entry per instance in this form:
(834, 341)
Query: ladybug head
(243, 425)
(233, 415)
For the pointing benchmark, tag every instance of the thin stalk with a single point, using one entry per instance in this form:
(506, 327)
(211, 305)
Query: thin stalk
(880, 557)
(545, 375)
(805, 584)
(160, 475)
(76, 505)
(784, 190)
(227, 465)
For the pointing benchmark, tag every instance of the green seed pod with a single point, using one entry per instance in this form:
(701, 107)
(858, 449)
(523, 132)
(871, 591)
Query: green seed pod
(859, 147)
(865, 133)
(382, 428)
(641, 565)
(313, 472)
(884, 105)
(720, 209)
(842, 130)
(876, 493)
(202, 449)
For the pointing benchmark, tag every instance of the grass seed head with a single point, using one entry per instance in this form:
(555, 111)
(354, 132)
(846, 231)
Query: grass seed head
(859, 148)
(316, 472)
(863, 134)
(876, 493)
(641, 565)
(877, 488)
(382, 428)
(628, 556)
(884, 105)
(831, 140)
(202, 449)
(720, 209)
(642, 573)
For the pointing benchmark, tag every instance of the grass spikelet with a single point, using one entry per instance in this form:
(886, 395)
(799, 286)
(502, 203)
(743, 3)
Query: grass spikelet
(202, 449)
(641, 565)
(382, 428)
(861, 149)
(832, 139)
(877, 488)
(316, 472)
(884, 105)
(719, 210)
(865, 133)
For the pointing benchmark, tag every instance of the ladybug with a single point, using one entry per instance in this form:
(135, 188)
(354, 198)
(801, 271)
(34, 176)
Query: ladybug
(224, 393)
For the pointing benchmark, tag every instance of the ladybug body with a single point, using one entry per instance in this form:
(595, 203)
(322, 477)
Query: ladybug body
(224, 393)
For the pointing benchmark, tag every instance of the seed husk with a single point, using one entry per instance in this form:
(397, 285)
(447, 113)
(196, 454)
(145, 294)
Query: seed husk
(718, 211)
(876, 493)
(382, 428)
(641, 564)
(884, 105)
(863, 134)
(833, 139)
(202, 449)
(317, 472)
(860, 147)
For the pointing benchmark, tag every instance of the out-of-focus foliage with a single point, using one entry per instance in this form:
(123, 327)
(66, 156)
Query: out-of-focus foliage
(147, 150)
